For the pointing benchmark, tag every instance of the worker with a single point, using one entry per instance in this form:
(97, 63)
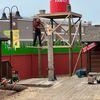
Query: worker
(37, 29)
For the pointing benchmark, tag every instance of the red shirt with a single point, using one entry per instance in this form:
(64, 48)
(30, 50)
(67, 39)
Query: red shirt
(36, 23)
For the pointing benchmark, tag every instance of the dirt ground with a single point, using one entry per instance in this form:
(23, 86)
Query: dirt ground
(27, 94)
(5, 93)
(66, 88)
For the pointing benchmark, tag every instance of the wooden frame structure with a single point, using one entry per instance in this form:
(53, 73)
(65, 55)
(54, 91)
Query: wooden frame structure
(52, 17)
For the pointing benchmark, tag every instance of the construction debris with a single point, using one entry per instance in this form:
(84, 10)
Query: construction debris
(5, 85)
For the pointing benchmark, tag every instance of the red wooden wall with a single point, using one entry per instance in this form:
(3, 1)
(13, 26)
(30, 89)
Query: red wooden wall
(27, 65)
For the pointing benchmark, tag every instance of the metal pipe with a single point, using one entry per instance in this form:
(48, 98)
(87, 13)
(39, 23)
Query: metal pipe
(11, 32)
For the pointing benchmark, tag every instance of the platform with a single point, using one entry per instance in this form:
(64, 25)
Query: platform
(36, 82)
(60, 15)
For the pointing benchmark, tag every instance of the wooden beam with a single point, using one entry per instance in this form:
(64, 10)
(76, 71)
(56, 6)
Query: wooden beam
(63, 39)
(80, 38)
(54, 29)
(61, 46)
(39, 62)
(76, 32)
(50, 59)
(50, 53)
(70, 49)
(44, 47)
(59, 15)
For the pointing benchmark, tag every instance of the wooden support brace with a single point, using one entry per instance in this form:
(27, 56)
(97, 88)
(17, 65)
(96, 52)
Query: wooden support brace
(63, 39)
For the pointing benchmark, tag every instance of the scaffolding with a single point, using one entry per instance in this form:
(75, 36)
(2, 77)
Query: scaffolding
(71, 17)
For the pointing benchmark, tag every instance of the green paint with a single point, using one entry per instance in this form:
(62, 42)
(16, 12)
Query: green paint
(33, 50)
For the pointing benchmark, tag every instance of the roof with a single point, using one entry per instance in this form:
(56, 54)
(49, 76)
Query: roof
(92, 34)
(92, 37)
(60, 15)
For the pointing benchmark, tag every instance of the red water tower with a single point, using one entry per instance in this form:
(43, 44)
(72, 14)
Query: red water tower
(58, 5)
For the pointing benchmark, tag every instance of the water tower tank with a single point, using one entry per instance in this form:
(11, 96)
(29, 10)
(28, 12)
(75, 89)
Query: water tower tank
(58, 5)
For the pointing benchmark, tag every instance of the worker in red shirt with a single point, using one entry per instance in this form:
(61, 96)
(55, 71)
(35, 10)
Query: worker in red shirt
(36, 28)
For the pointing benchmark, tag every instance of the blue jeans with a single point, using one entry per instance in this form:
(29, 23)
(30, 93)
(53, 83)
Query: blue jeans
(37, 34)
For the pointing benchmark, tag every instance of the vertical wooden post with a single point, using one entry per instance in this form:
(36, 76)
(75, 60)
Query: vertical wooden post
(87, 61)
(39, 62)
(50, 59)
(50, 55)
(70, 49)
(90, 60)
(80, 37)
(52, 27)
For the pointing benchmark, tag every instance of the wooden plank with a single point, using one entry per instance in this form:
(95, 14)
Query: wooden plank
(60, 15)
(94, 73)
(95, 70)
(95, 52)
(95, 60)
(95, 56)
(95, 64)
(43, 47)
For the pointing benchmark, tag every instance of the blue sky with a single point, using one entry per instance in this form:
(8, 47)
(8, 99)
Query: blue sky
(88, 8)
